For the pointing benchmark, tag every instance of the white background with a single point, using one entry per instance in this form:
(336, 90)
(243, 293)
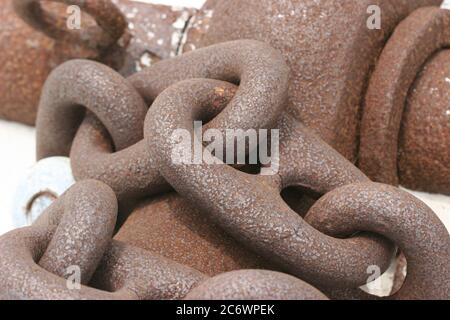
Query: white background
(18, 153)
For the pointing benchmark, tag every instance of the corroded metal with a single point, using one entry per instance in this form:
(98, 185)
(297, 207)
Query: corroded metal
(86, 83)
(268, 226)
(415, 40)
(324, 261)
(424, 141)
(134, 36)
(103, 120)
(170, 226)
(327, 44)
(76, 232)
(329, 97)
(27, 58)
(111, 23)
(254, 284)
(399, 216)
(155, 33)
(120, 108)
(254, 211)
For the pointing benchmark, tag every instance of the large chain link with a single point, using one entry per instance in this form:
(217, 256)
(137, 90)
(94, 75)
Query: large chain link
(130, 149)
(263, 78)
(76, 232)
(255, 213)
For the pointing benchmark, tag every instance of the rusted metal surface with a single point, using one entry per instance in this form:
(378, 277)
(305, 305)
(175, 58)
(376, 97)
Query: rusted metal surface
(27, 58)
(329, 103)
(155, 33)
(262, 73)
(254, 284)
(327, 45)
(399, 216)
(111, 23)
(76, 231)
(303, 250)
(424, 141)
(234, 217)
(86, 83)
(415, 40)
(254, 212)
(134, 36)
(170, 226)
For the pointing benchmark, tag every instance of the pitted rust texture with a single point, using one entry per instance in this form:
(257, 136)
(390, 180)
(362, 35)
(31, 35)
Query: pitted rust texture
(110, 20)
(327, 45)
(415, 40)
(400, 217)
(250, 207)
(424, 141)
(155, 33)
(263, 78)
(151, 33)
(76, 231)
(254, 284)
(81, 237)
(171, 227)
(92, 156)
(250, 217)
(27, 57)
(310, 174)
(259, 69)
(86, 83)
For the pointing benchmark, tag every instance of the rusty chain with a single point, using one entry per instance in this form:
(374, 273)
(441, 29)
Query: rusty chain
(101, 119)
(305, 252)
(111, 22)
(250, 62)
(76, 231)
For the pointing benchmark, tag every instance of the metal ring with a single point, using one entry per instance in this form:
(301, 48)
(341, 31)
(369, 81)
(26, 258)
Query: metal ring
(76, 230)
(43, 183)
(415, 39)
(130, 172)
(109, 18)
(261, 71)
(81, 83)
(250, 207)
(81, 224)
(399, 216)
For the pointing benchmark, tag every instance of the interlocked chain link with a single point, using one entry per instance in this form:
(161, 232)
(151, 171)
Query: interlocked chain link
(116, 102)
(255, 213)
(117, 141)
(76, 230)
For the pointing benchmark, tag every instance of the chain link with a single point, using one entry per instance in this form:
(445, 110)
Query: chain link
(102, 120)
